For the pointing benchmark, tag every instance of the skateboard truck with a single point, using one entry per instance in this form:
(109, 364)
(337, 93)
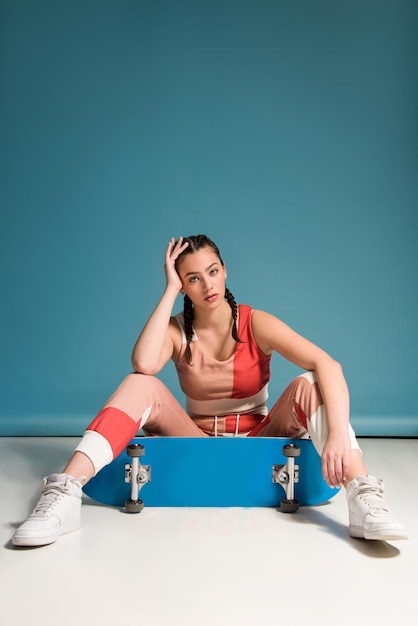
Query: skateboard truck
(287, 476)
(138, 475)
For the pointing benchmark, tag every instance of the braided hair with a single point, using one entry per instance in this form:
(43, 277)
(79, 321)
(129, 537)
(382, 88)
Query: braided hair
(195, 243)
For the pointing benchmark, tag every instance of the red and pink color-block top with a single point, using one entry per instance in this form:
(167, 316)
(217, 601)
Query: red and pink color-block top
(226, 396)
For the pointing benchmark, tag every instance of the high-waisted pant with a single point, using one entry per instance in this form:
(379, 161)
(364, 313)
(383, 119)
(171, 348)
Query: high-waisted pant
(145, 402)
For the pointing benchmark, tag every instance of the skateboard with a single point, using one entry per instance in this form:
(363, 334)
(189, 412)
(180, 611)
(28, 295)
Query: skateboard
(213, 472)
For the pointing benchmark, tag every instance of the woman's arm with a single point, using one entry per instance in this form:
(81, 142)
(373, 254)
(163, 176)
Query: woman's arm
(271, 334)
(156, 343)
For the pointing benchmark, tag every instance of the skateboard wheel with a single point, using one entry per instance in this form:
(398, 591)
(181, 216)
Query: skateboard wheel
(134, 506)
(135, 450)
(291, 449)
(289, 506)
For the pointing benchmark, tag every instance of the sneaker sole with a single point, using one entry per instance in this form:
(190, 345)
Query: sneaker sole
(33, 541)
(357, 532)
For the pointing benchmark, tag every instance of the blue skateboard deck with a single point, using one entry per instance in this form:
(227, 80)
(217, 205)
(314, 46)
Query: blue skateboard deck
(212, 472)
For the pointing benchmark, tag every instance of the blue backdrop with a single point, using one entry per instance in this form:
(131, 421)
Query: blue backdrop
(286, 131)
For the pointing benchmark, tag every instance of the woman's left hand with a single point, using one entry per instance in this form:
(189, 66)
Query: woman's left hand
(336, 459)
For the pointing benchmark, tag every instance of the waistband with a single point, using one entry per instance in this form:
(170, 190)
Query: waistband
(236, 425)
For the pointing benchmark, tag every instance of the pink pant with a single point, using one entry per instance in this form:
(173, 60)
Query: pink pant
(145, 402)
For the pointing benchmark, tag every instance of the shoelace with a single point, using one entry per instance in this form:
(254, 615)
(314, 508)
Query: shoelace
(373, 497)
(50, 497)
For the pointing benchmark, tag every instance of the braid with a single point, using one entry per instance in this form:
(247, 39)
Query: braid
(234, 308)
(188, 326)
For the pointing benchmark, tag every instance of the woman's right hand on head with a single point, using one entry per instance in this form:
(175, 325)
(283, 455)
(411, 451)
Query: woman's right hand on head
(174, 249)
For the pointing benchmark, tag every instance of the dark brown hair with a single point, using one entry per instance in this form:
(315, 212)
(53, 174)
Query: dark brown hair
(196, 242)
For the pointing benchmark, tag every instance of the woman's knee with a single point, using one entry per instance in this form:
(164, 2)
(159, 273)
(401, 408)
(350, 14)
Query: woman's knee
(309, 376)
(140, 381)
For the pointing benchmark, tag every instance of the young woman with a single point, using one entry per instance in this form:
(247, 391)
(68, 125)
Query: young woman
(214, 343)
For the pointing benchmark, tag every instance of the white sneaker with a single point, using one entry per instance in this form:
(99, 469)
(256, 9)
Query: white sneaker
(57, 512)
(369, 514)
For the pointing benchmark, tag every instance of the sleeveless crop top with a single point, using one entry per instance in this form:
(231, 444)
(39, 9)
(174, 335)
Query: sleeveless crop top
(219, 394)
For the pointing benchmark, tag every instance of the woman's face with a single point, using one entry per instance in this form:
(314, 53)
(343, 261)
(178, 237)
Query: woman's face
(203, 278)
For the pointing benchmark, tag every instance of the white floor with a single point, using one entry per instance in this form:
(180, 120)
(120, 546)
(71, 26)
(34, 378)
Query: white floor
(223, 567)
